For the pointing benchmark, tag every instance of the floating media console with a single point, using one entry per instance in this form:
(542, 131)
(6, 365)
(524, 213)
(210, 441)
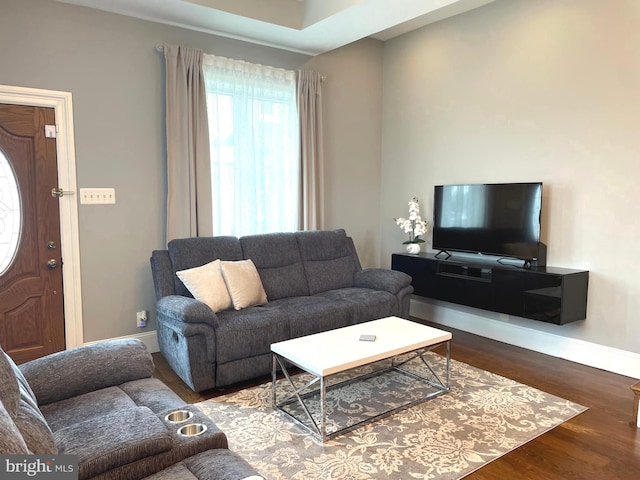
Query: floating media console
(549, 294)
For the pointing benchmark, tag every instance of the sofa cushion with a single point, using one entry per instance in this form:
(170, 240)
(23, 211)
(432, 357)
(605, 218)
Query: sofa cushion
(227, 464)
(327, 260)
(308, 315)
(329, 274)
(115, 439)
(250, 332)
(363, 304)
(86, 407)
(219, 464)
(243, 283)
(26, 416)
(9, 390)
(277, 258)
(11, 441)
(188, 253)
(318, 245)
(34, 428)
(206, 284)
(148, 392)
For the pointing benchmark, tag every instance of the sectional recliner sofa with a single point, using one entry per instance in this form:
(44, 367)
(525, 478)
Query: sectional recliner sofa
(100, 403)
(312, 281)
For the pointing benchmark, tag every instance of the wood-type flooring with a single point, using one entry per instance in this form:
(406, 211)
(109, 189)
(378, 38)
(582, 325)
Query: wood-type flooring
(599, 444)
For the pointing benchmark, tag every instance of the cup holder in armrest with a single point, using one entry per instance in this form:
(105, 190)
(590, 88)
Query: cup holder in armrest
(178, 416)
(192, 430)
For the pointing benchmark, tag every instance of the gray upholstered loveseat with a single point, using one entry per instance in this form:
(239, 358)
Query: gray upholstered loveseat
(99, 402)
(313, 282)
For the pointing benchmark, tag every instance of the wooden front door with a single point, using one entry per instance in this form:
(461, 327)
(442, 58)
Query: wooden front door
(31, 296)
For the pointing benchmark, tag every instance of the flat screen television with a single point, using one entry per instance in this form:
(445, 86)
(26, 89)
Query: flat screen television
(500, 219)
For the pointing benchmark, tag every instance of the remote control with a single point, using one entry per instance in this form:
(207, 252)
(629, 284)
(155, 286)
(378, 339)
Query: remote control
(367, 338)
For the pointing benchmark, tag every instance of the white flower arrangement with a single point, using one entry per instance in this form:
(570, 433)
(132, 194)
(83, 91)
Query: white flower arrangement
(414, 225)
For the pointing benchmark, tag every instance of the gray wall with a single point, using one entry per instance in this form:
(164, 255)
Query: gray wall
(110, 65)
(513, 91)
(352, 105)
(520, 91)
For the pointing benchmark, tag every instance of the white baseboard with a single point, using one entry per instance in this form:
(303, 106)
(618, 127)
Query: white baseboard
(150, 339)
(611, 359)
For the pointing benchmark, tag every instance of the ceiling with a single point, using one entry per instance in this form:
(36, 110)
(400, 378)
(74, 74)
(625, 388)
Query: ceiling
(304, 26)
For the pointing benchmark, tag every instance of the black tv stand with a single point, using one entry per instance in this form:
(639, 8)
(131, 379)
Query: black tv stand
(548, 294)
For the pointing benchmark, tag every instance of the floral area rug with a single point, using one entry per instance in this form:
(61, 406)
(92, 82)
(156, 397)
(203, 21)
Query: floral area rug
(481, 418)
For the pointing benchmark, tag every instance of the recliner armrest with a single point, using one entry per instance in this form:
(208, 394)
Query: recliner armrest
(391, 281)
(185, 309)
(88, 368)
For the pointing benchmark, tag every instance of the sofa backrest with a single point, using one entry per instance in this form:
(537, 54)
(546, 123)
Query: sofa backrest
(162, 274)
(328, 259)
(289, 264)
(9, 389)
(277, 259)
(21, 407)
(188, 253)
(11, 441)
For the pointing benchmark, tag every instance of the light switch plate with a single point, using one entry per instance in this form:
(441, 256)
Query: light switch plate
(95, 196)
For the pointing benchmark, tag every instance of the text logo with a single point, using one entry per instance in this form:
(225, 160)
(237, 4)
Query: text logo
(50, 467)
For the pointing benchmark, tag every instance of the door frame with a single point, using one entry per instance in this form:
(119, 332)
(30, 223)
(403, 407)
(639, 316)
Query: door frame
(62, 104)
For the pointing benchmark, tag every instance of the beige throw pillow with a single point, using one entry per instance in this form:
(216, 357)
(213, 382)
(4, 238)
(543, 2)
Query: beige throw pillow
(207, 285)
(243, 283)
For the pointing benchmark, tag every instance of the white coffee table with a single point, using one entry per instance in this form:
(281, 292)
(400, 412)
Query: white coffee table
(326, 354)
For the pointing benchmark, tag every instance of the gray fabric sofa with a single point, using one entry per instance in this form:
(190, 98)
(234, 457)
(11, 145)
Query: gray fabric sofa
(313, 280)
(100, 402)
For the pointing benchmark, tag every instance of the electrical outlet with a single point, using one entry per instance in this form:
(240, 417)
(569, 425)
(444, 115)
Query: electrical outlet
(141, 318)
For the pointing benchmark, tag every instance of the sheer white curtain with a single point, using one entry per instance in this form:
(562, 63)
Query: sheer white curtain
(254, 147)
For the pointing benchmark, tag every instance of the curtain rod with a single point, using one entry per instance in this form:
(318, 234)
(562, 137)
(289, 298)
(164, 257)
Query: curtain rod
(160, 48)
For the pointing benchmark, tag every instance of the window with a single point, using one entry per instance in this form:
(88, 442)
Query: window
(10, 214)
(254, 146)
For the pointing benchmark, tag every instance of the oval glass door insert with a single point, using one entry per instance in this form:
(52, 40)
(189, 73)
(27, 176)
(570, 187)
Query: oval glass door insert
(10, 214)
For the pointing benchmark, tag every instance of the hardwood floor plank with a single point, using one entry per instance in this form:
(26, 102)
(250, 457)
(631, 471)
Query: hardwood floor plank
(600, 444)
